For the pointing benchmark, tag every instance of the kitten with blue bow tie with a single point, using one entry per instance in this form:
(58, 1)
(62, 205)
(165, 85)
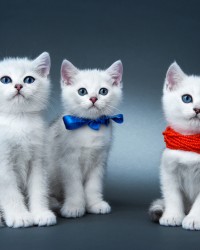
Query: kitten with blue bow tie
(79, 143)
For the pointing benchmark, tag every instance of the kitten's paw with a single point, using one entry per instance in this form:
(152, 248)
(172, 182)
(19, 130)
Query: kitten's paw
(101, 207)
(172, 220)
(191, 223)
(72, 211)
(44, 218)
(24, 219)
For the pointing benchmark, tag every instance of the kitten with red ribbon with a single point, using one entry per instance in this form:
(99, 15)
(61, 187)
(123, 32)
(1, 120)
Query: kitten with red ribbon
(180, 164)
(80, 140)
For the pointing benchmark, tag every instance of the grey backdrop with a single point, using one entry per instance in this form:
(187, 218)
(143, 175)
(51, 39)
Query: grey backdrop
(147, 36)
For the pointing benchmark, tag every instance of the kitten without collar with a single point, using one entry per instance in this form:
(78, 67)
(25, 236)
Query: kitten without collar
(24, 91)
(180, 170)
(78, 157)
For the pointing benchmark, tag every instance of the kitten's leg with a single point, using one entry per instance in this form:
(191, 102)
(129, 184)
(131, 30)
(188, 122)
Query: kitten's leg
(38, 195)
(15, 212)
(94, 188)
(192, 220)
(174, 207)
(74, 198)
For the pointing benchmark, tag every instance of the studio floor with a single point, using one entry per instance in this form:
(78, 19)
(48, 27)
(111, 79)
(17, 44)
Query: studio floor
(127, 227)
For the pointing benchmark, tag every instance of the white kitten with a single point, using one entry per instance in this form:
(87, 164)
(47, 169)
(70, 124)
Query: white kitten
(180, 170)
(24, 91)
(78, 157)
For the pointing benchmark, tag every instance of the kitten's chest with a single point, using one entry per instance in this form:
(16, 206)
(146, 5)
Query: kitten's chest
(189, 179)
(188, 173)
(87, 137)
(20, 131)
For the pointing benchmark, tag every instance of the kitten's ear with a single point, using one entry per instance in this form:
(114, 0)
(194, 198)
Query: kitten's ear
(116, 71)
(174, 76)
(42, 64)
(68, 71)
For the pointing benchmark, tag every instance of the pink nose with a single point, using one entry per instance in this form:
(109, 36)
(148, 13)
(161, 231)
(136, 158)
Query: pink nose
(18, 86)
(197, 111)
(93, 99)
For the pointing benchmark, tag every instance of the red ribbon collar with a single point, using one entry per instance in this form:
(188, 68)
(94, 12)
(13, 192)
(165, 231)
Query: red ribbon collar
(177, 141)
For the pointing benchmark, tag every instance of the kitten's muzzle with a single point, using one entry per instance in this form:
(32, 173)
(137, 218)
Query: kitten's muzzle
(196, 110)
(18, 86)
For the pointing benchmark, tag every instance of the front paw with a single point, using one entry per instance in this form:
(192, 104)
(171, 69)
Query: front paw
(101, 207)
(16, 220)
(72, 211)
(44, 218)
(171, 219)
(191, 223)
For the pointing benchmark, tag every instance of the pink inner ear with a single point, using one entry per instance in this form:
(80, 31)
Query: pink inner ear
(42, 64)
(44, 70)
(170, 79)
(65, 76)
(174, 76)
(116, 83)
(68, 71)
(116, 71)
(117, 76)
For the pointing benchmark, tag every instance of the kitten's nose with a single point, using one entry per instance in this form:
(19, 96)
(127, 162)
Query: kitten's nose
(197, 111)
(93, 99)
(18, 86)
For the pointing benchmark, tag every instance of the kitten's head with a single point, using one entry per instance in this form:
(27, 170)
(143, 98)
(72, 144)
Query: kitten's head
(181, 100)
(91, 93)
(24, 84)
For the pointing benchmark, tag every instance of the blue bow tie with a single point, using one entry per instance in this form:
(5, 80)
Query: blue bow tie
(73, 122)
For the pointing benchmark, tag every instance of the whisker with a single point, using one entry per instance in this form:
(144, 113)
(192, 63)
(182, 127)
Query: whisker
(113, 107)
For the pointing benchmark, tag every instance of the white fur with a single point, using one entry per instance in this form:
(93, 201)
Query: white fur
(78, 157)
(23, 186)
(180, 170)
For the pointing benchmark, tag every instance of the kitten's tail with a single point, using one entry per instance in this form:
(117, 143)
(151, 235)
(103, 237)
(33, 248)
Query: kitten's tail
(55, 205)
(2, 224)
(156, 210)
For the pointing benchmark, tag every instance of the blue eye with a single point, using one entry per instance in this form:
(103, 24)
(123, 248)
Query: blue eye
(187, 98)
(82, 91)
(29, 79)
(6, 79)
(103, 91)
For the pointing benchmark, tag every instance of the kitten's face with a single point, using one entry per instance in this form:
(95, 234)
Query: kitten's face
(181, 100)
(24, 86)
(91, 93)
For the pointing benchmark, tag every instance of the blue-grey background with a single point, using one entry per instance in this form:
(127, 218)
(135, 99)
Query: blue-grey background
(147, 36)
